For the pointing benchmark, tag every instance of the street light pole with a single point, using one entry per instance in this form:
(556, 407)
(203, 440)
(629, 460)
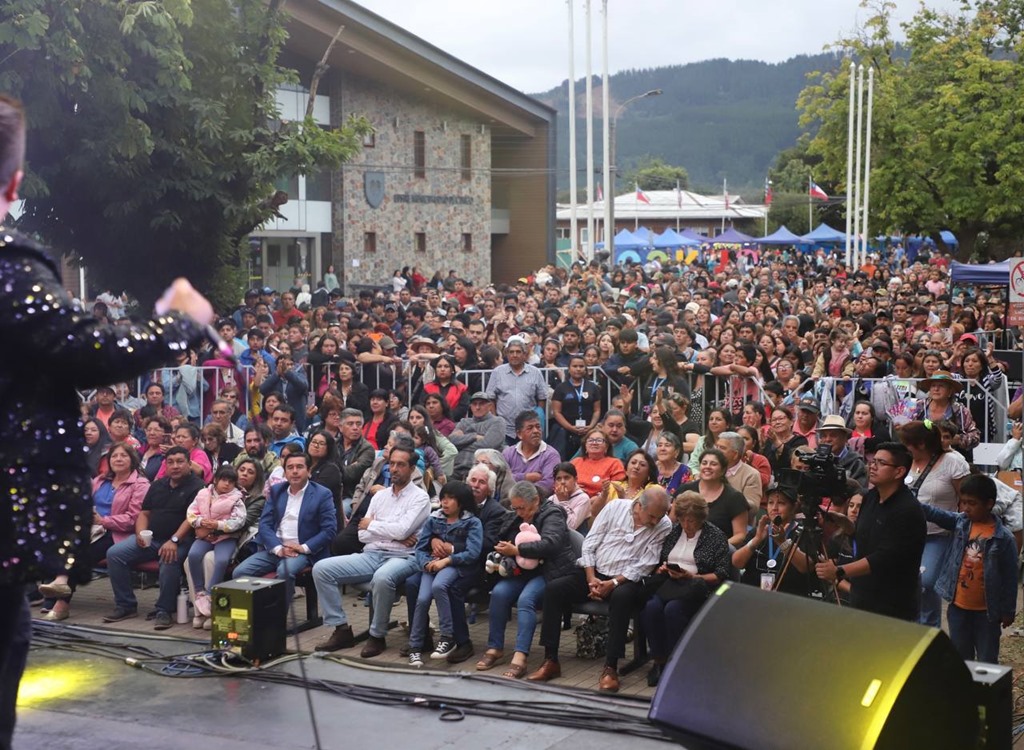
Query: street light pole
(609, 198)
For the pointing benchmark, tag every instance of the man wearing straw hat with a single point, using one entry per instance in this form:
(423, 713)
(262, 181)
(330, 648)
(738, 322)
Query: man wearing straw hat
(835, 434)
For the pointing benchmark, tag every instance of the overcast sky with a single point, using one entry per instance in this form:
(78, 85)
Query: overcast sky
(524, 43)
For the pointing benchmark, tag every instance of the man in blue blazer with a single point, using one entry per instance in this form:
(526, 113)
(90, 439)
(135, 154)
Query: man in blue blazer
(296, 527)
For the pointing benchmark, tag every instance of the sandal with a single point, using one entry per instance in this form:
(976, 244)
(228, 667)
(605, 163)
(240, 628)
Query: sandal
(489, 660)
(514, 671)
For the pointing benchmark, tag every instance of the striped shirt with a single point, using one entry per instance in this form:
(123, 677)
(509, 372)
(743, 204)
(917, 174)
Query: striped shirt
(616, 547)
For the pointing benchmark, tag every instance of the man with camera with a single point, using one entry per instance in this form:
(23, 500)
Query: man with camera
(835, 434)
(889, 541)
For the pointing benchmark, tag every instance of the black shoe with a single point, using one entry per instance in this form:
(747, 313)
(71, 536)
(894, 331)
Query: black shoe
(461, 653)
(374, 647)
(342, 637)
(444, 647)
(162, 621)
(121, 614)
(654, 675)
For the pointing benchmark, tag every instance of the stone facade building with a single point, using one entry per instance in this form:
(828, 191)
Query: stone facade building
(459, 173)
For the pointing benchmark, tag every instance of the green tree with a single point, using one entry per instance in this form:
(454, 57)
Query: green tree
(789, 175)
(654, 174)
(154, 140)
(947, 134)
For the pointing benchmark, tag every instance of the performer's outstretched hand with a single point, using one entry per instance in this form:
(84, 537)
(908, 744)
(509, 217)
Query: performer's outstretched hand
(183, 297)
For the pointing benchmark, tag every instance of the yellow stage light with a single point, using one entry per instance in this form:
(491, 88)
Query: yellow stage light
(43, 684)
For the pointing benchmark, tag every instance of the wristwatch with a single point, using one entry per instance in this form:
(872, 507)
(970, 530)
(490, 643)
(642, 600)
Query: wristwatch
(615, 582)
(175, 539)
(840, 573)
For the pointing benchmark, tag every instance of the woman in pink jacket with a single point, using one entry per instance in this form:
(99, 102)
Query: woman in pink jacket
(117, 501)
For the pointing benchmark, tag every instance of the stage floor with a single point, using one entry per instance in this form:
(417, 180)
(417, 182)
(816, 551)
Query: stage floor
(74, 700)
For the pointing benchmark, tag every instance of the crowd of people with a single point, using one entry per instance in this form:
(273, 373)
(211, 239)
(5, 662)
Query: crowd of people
(634, 435)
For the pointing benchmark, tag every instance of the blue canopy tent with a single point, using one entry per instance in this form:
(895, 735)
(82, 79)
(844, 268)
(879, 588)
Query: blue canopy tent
(670, 238)
(823, 234)
(643, 233)
(993, 274)
(729, 237)
(625, 240)
(628, 247)
(949, 238)
(693, 235)
(780, 236)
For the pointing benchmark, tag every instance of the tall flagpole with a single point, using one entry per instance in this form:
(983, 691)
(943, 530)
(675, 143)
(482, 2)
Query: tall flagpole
(849, 167)
(606, 135)
(810, 204)
(573, 186)
(636, 207)
(857, 163)
(725, 197)
(590, 143)
(867, 165)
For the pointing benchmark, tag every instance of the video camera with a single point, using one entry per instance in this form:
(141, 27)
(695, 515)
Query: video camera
(822, 478)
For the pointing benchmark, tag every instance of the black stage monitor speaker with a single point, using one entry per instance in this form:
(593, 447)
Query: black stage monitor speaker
(249, 617)
(765, 670)
(993, 695)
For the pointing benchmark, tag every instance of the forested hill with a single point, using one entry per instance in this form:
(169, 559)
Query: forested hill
(717, 118)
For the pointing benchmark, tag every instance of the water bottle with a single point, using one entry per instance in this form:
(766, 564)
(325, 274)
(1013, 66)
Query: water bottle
(183, 607)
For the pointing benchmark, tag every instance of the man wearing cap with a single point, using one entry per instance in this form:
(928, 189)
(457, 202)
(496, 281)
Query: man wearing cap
(252, 296)
(771, 558)
(835, 434)
(806, 425)
(516, 386)
(919, 315)
(481, 429)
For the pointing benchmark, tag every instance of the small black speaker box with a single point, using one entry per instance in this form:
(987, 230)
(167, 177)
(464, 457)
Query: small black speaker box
(771, 671)
(993, 695)
(249, 616)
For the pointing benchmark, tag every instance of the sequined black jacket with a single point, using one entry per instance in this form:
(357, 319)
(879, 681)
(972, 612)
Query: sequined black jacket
(50, 348)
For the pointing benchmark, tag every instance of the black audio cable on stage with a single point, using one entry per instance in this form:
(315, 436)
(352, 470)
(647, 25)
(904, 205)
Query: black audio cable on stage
(211, 663)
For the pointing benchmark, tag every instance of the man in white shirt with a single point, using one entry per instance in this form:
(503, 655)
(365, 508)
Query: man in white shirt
(297, 525)
(389, 530)
(623, 546)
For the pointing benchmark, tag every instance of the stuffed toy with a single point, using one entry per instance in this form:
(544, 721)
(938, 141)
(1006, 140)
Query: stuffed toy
(498, 563)
(527, 533)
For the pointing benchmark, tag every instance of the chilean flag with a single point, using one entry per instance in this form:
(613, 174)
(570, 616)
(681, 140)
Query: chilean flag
(642, 196)
(817, 192)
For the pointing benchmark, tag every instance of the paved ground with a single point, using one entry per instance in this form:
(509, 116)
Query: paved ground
(94, 601)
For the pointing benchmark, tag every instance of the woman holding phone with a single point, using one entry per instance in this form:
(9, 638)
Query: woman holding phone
(694, 561)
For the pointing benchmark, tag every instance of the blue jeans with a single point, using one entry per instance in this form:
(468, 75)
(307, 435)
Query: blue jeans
(124, 556)
(456, 598)
(935, 549)
(973, 635)
(447, 588)
(222, 552)
(385, 571)
(526, 595)
(264, 562)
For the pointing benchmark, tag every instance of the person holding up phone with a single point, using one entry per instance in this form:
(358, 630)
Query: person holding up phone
(694, 560)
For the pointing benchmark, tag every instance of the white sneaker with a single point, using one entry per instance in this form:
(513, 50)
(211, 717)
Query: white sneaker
(197, 622)
(207, 623)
